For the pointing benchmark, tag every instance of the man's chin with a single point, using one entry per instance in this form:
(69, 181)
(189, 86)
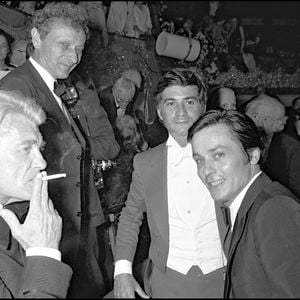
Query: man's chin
(63, 75)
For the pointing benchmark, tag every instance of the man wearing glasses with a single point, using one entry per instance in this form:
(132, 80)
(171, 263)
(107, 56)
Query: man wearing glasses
(117, 100)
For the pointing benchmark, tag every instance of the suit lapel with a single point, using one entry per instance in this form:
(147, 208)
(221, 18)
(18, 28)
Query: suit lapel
(158, 191)
(50, 105)
(255, 189)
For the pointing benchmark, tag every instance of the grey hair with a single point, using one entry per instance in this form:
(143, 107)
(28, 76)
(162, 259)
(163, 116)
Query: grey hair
(13, 102)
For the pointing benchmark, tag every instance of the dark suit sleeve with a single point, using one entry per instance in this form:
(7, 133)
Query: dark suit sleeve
(131, 216)
(107, 102)
(101, 136)
(277, 240)
(44, 277)
(294, 176)
(17, 84)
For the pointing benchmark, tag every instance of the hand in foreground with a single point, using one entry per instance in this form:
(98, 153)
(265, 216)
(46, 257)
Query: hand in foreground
(125, 286)
(42, 226)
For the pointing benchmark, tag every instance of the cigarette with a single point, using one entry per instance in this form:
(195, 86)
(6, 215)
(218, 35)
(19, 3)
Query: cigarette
(54, 176)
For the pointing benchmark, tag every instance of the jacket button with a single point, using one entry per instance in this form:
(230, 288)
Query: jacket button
(78, 184)
(79, 214)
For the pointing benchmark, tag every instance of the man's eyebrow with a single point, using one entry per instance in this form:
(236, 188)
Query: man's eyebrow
(29, 142)
(33, 141)
(183, 98)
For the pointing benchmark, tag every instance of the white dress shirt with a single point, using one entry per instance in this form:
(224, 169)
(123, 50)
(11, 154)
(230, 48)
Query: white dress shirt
(193, 231)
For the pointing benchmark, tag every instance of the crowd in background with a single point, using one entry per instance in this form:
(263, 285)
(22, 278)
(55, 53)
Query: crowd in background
(122, 108)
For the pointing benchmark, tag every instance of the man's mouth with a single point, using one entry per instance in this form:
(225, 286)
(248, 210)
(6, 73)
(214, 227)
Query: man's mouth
(215, 183)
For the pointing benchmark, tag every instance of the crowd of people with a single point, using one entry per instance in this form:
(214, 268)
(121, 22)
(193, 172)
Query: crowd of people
(203, 202)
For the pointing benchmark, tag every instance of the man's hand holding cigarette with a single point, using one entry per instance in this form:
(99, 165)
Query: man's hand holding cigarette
(43, 225)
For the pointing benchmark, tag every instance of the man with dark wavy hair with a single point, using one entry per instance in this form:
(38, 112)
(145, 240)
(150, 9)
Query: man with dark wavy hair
(262, 216)
(59, 32)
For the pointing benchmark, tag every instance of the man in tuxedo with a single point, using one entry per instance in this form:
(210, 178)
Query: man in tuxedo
(185, 255)
(59, 33)
(263, 217)
(30, 227)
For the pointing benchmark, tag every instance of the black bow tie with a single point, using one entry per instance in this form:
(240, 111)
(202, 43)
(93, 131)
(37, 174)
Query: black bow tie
(226, 215)
(59, 88)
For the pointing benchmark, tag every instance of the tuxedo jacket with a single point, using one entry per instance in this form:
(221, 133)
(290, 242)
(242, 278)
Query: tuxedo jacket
(264, 253)
(75, 197)
(148, 193)
(29, 277)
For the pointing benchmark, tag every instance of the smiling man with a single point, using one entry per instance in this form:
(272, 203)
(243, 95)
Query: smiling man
(264, 250)
(185, 257)
(59, 32)
(30, 227)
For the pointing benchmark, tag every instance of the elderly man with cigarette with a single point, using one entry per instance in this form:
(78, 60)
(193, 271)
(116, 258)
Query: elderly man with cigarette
(58, 34)
(30, 226)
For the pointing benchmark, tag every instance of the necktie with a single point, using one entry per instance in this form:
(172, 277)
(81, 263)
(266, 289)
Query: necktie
(59, 89)
(226, 216)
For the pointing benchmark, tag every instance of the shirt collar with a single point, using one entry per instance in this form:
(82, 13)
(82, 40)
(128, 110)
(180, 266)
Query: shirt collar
(236, 203)
(176, 153)
(49, 80)
(171, 142)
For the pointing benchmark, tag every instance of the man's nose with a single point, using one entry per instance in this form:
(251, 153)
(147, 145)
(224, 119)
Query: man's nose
(208, 168)
(73, 56)
(39, 161)
(181, 109)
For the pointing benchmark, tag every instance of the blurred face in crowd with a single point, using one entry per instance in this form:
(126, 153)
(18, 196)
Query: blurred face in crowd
(18, 56)
(268, 114)
(123, 98)
(20, 158)
(4, 48)
(296, 105)
(227, 99)
(60, 51)
(222, 163)
(179, 107)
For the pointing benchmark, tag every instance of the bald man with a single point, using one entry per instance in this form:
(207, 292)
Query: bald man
(267, 112)
(282, 154)
(221, 97)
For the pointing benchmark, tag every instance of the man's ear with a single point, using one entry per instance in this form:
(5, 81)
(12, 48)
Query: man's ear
(35, 37)
(159, 114)
(254, 155)
(279, 124)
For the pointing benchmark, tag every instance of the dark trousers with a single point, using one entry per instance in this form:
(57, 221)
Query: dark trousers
(90, 279)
